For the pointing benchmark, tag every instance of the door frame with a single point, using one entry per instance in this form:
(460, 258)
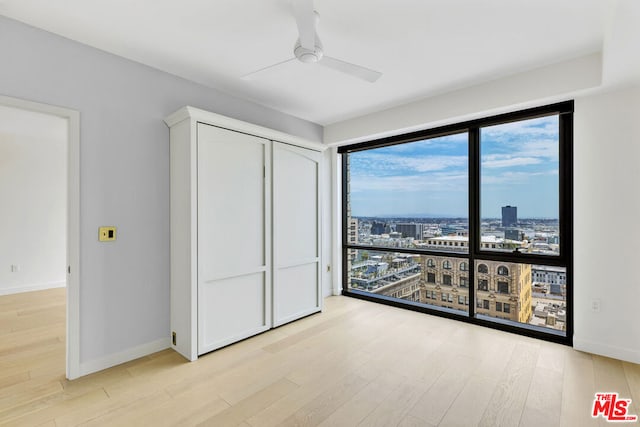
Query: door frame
(73, 223)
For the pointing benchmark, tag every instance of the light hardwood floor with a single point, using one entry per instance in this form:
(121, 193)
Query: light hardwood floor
(358, 363)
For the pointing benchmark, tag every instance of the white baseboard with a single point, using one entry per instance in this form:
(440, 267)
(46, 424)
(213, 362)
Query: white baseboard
(620, 353)
(92, 366)
(31, 288)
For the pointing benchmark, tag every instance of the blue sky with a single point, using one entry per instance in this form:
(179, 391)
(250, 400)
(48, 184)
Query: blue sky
(430, 177)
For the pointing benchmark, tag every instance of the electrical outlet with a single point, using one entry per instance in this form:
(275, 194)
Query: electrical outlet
(328, 268)
(595, 305)
(173, 338)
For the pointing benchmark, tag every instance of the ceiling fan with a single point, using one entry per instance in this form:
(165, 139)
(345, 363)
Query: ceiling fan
(308, 47)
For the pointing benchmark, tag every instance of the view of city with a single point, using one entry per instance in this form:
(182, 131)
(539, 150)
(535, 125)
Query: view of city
(415, 196)
(532, 294)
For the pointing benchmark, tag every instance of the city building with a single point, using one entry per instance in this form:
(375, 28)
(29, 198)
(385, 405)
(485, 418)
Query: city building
(550, 280)
(509, 216)
(503, 289)
(461, 243)
(413, 230)
(352, 228)
(378, 228)
(396, 276)
(513, 234)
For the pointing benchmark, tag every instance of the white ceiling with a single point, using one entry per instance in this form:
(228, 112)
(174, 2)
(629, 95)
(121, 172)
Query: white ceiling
(422, 47)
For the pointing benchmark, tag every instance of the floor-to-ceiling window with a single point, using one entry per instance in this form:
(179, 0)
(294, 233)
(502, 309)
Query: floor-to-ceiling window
(471, 221)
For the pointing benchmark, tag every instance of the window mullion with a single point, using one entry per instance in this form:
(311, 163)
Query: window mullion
(474, 212)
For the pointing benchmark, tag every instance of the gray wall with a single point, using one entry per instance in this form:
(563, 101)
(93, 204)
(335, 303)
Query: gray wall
(124, 172)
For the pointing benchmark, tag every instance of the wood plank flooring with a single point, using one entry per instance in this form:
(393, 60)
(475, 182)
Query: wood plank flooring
(355, 364)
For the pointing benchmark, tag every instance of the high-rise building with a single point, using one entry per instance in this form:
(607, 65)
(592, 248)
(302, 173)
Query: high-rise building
(352, 225)
(509, 216)
(411, 230)
(378, 228)
(352, 235)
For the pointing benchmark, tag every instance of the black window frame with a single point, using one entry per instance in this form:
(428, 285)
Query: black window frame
(475, 253)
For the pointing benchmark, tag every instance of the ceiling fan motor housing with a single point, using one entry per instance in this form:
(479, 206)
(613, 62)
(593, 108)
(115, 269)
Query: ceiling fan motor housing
(307, 55)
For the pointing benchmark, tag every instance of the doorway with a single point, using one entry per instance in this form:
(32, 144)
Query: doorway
(18, 112)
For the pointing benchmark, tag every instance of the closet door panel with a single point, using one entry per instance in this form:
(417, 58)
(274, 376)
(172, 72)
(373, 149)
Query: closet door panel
(232, 309)
(295, 232)
(231, 201)
(296, 204)
(297, 291)
(233, 260)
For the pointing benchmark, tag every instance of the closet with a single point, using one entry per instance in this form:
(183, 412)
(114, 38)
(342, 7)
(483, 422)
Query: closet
(245, 230)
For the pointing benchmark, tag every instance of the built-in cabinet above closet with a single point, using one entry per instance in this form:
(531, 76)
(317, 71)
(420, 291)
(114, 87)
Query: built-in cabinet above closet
(245, 230)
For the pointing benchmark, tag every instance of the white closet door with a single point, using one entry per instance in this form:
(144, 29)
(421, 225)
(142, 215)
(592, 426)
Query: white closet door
(296, 234)
(233, 237)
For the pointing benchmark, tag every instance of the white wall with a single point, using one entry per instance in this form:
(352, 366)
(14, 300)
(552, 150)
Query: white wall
(124, 176)
(607, 223)
(33, 200)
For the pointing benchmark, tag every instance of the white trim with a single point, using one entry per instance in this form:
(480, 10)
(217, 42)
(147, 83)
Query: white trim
(33, 287)
(336, 222)
(73, 223)
(203, 116)
(124, 356)
(620, 353)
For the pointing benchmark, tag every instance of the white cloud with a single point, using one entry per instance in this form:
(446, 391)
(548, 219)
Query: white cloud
(442, 142)
(540, 128)
(510, 177)
(389, 163)
(529, 138)
(502, 161)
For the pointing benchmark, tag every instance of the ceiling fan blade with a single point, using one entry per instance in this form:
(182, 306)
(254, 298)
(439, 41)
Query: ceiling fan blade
(351, 69)
(306, 20)
(256, 74)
